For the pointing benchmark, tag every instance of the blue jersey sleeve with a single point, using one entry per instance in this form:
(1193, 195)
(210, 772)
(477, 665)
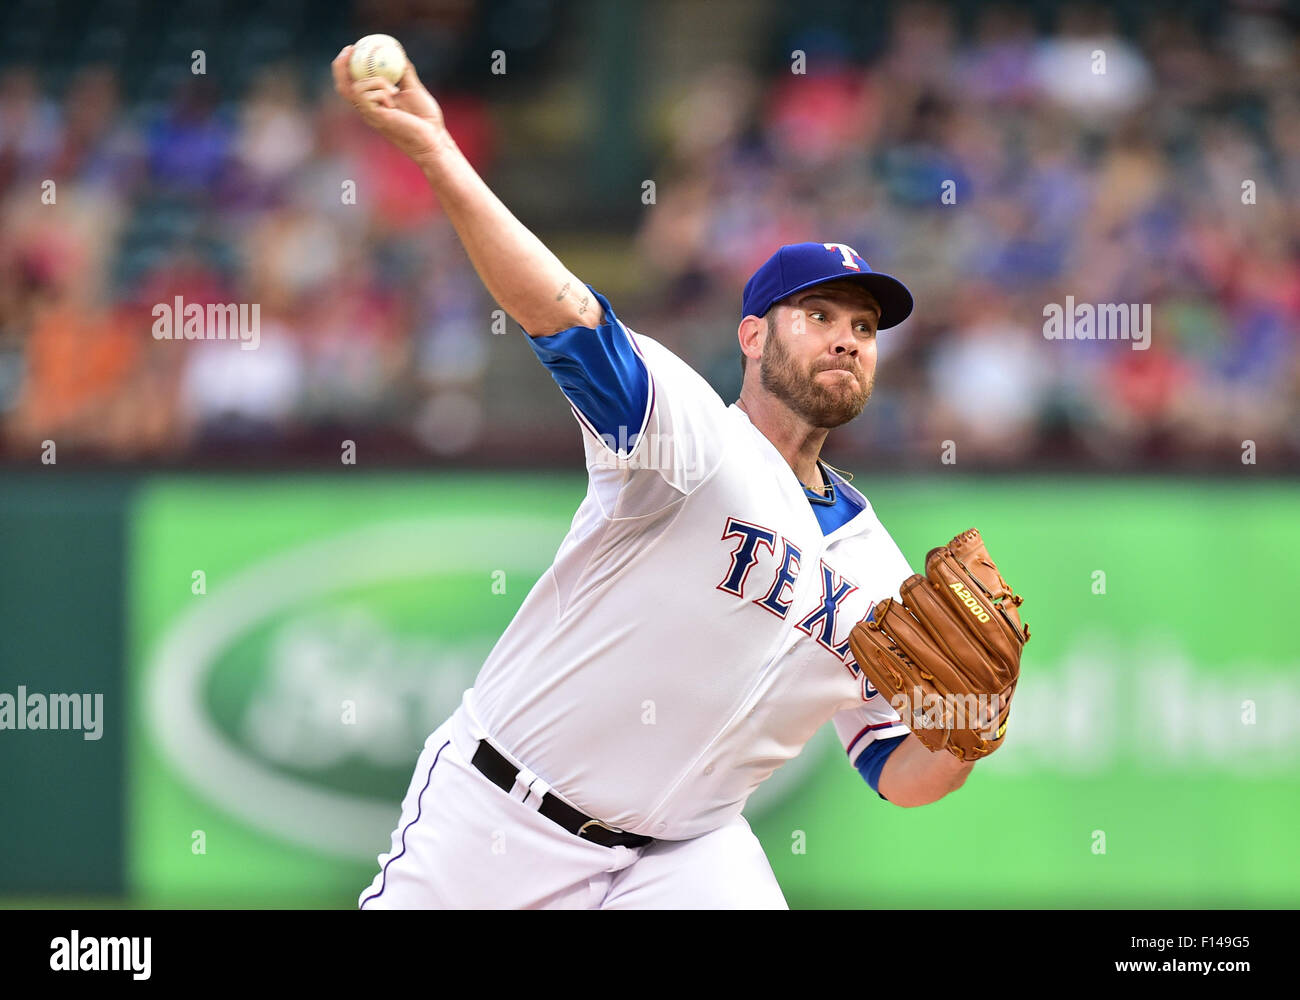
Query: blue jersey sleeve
(872, 760)
(603, 375)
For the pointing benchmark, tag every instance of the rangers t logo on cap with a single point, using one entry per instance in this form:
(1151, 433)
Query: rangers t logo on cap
(797, 266)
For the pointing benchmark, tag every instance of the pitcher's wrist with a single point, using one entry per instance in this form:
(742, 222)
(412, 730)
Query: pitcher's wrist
(432, 159)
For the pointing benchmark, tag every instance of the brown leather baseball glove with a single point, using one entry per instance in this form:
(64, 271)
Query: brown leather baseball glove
(948, 657)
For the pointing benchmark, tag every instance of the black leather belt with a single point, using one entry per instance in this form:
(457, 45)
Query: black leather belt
(502, 773)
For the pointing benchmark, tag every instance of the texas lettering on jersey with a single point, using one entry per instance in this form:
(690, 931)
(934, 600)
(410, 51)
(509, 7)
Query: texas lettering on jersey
(820, 624)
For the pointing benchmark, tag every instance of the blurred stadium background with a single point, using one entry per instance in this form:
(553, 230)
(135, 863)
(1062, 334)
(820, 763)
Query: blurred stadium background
(325, 583)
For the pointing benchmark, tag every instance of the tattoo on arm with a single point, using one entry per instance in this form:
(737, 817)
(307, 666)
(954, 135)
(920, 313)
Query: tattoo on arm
(583, 305)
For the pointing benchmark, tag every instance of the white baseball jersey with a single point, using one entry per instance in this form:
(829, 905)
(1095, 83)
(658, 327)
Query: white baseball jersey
(692, 633)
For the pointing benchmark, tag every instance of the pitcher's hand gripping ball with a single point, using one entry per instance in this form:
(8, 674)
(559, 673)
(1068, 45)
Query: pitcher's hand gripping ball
(956, 634)
(377, 55)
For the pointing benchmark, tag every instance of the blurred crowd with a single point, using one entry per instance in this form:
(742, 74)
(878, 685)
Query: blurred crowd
(365, 304)
(991, 167)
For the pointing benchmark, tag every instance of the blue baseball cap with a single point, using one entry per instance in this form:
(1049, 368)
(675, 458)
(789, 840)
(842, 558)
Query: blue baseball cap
(797, 266)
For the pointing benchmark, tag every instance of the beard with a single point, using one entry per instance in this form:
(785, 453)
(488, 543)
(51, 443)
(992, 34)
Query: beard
(820, 404)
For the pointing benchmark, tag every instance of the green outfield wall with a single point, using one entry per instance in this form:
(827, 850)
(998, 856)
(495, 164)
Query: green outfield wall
(276, 650)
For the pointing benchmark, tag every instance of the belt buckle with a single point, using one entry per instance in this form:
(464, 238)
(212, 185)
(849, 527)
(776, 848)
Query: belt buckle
(595, 822)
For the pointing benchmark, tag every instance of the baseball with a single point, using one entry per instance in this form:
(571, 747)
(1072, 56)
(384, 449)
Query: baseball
(378, 55)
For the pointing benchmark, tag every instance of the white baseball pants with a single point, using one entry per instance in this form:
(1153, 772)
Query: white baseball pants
(464, 843)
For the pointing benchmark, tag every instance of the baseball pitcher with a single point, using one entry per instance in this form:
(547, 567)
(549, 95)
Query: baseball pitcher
(721, 594)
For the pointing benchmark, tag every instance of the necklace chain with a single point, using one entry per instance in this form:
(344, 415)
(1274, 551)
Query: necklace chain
(846, 476)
